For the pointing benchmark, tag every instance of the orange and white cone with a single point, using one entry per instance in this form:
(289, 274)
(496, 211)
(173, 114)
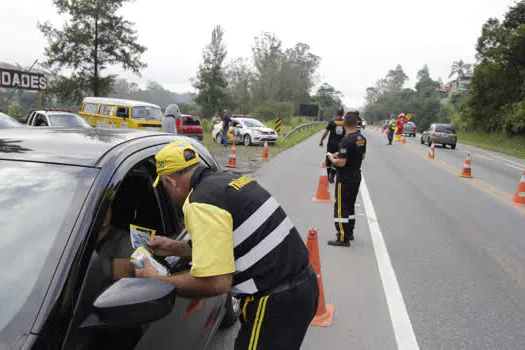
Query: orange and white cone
(466, 172)
(325, 312)
(322, 195)
(519, 197)
(232, 159)
(432, 152)
(264, 154)
(403, 140)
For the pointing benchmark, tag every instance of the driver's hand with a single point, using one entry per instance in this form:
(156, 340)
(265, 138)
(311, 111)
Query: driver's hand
(148, 271)
(162, 246)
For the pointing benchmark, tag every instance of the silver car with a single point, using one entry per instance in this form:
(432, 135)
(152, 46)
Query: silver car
(410, 129)
(444, 134)
(8, 122)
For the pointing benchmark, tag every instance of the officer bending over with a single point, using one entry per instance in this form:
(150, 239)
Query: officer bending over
(242, 241)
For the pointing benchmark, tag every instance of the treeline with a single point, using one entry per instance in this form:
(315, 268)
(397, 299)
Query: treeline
(495, 98)
(274, 80)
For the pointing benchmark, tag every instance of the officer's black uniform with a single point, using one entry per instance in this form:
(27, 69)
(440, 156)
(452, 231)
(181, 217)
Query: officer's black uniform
(337, 132)
(273, 277)
(352, 147)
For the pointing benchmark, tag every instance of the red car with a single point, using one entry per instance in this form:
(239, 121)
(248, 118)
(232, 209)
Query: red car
(189, 125)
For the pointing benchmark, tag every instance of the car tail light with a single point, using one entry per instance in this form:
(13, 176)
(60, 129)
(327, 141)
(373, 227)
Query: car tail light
(433, 134)
(415, 129)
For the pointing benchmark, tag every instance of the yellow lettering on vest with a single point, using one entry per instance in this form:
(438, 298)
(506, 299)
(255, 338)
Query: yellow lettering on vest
(240, 182)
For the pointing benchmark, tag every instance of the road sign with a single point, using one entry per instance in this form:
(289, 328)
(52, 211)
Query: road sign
(409, 116)
(278, 123)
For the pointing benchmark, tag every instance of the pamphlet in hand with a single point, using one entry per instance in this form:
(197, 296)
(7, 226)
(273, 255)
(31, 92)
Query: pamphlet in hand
(137, 259)
(140, 236)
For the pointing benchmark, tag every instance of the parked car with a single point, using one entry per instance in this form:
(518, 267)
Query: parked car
(443, 134)
(8, 122)
(56, 118)
(102, 112)
(247, 131)
(410, 129)
(61, 190)
(189, 125)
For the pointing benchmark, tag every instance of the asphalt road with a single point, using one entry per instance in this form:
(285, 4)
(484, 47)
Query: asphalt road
(438, 261)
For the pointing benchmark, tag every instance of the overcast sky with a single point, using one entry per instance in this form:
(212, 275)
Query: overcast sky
(358, 41)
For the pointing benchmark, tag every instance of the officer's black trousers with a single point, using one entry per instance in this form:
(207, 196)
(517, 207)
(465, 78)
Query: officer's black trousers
(330, 168)
(344, 208)
(278, 321)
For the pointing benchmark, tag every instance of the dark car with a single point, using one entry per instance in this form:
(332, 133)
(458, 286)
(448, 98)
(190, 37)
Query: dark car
(189, 125)
(8, 122)
(68, 197)
(443, 134)
(410, 129)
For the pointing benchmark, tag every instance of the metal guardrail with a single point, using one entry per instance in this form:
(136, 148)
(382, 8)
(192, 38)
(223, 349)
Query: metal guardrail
(300, 127)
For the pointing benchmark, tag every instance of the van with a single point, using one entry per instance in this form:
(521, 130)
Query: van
(104, 112)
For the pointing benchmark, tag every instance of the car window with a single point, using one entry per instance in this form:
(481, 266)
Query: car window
(447, 129)
(192, 121)
(146, 113)
(252, 123)
(40, 120)
(68, 120)
(49, 198)
(107, 110)
(90, 108)
(122, 112)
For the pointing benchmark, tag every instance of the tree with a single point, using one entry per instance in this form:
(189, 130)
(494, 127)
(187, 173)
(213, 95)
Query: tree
(328, 99)
(267, 60)
(460, 68)
(211, 78)
(240, 83)
(91, 40)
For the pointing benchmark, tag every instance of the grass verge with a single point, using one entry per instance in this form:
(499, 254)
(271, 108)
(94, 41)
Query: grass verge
(499, 142)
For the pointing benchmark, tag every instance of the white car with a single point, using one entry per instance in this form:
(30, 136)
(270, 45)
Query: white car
(246, 131)
(53, 117)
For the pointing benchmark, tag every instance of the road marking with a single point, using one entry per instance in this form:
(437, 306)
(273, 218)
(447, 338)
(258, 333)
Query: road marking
(480, 156)
(515, 167)
(403, 331)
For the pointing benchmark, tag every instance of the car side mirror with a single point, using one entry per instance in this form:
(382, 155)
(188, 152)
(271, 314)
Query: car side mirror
(132, 302)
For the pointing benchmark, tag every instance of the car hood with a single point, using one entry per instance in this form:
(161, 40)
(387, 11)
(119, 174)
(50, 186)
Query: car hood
(261, 129)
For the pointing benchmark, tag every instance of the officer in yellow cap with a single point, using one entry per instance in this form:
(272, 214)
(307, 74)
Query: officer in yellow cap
(242, 241)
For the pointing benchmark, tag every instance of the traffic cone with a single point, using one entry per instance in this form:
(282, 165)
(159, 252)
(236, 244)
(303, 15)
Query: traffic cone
(232, 159)
(403, 139)
(431, 152)
(466, 172)
(264, 154)
(519, 197)
(325, 312)
(322, 188)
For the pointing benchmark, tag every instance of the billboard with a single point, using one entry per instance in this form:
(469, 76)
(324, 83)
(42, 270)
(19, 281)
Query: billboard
(308, 110)
(15, 79)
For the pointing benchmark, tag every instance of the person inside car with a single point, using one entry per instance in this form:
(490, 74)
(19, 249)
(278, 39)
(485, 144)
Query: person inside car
(115, 244)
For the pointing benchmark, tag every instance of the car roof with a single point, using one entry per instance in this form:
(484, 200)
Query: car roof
(74, 146)
(118, 101)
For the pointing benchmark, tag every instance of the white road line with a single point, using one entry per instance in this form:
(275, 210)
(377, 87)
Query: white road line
(515, 167)
(403, 331)
(480, 156)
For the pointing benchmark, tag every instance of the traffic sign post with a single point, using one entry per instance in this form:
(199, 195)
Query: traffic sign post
(278, 123)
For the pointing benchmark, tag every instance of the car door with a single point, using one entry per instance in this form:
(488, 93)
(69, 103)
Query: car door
(40, 120)
(133, 200)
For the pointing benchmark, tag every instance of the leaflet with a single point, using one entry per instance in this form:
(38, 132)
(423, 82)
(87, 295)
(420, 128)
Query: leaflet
(140, 236)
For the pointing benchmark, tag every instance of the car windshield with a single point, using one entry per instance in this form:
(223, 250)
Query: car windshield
(190, 121)
(252, 123)
(8, 122)
(68, 121)
(447, 129)
(146, 113)
(38, 205)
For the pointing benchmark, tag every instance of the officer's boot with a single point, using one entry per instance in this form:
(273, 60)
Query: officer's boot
(338, 242)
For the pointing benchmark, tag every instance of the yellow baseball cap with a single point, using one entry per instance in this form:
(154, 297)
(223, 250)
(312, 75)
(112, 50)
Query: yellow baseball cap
(170, 159)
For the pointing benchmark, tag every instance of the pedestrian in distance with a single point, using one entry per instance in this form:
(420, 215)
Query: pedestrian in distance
(226, 120)
(352, 151)
(335, 131)
(391, 129)
(241, 241)
(169, 122)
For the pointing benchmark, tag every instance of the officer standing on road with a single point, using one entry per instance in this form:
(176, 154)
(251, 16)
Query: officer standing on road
(391, 129)
(359, 122)
(226, 120)
(335, 128)
(352, 151)
(242, 242)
